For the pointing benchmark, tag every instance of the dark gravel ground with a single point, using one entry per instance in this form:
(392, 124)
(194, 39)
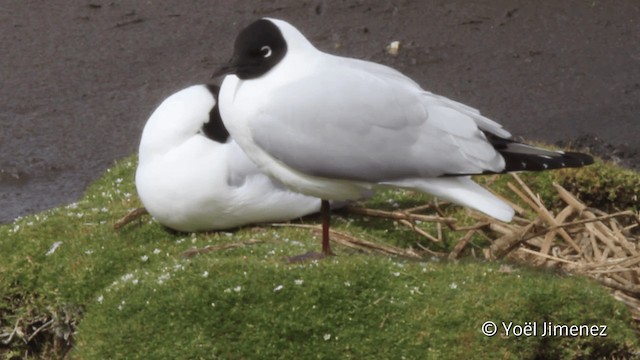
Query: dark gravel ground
(80, 78)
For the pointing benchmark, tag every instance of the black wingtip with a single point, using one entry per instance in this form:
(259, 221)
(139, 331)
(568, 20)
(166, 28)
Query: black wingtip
(515, 161)
(522, 157)
(581, 159)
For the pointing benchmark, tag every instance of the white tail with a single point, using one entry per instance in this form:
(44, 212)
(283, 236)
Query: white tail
(463, 191)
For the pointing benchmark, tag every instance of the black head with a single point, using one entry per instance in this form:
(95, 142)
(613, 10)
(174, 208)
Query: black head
(214, 129)
(258, 48)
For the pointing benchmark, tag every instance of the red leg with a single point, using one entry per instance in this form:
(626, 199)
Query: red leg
(325, 215)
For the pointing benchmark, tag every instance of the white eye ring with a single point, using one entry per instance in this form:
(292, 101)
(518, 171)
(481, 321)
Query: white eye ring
(266, 51)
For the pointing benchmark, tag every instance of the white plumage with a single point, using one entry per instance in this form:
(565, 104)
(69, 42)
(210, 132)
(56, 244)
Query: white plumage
(189, 182)
(335, 127)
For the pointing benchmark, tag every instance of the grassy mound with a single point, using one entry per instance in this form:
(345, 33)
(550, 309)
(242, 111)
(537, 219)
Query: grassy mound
(71, 286)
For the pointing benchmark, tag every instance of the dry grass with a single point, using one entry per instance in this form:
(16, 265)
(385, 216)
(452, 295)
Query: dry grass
(577, 239)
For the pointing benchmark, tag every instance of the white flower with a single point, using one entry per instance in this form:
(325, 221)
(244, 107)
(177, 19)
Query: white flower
(162, 278)
(278, 288)
(100, 299)
(298, 281)
(453, 286)
(327, 337)
(205, 273)
(157, 251)
(347, 284)
(237, 288)
(144, 258)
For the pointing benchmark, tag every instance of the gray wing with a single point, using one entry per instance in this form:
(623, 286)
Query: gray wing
(372, 125)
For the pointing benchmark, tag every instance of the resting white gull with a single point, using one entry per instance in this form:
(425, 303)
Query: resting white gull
(192, 176)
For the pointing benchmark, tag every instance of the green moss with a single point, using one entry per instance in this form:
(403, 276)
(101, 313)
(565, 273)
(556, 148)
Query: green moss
(604, 186)
(130, 294)
(354, 306)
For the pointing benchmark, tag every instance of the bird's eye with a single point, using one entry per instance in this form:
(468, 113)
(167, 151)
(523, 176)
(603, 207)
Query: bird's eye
(265, 51)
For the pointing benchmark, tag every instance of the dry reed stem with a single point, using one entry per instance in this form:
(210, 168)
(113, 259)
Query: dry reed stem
(548, 238)
(419, 208)
(506, 243)
(537, 206)
(549, 257)
(397, 215)
(461, 244)
(411, 225)
(129, 217)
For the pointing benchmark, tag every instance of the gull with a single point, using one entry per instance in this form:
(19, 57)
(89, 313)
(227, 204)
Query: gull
(192, 176)
(335, 127)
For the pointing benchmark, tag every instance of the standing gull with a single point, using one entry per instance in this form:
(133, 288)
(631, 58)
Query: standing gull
(335, 127)
(192, 176)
